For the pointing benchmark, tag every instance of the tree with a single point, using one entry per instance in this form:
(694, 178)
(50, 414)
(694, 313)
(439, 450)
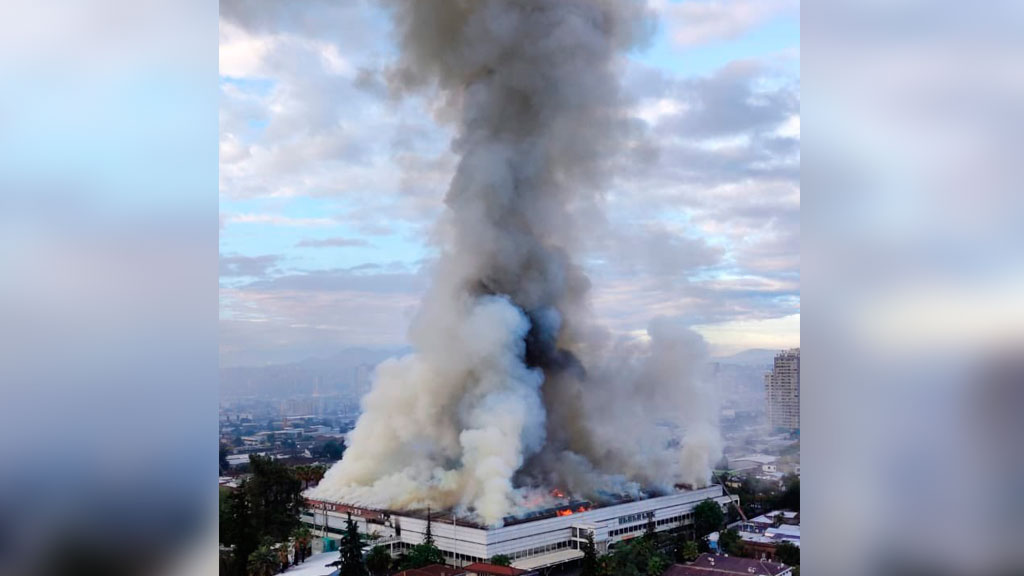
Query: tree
(428, 537)
(378, 561)
(729, 542)
(332, 450)
(351, 550)
(282, 556)
(237, 528)
(302, 538)
(501, 560)
(650, 532)
(275, 496)
(790, 498)
(657, 564)
(637, 557)
(224, 465)
(264, 507)
(262, 562)
(316, 473)
(423, 555)
(589, 564)
(788, 553)
(707, 518)
(687, 552)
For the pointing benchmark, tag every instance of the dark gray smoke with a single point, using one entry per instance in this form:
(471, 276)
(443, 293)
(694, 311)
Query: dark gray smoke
(512, 389)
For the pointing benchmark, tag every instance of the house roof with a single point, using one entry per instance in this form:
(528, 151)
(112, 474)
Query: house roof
(759, 458)
(716, 565)
(493, 569)
(433, 570)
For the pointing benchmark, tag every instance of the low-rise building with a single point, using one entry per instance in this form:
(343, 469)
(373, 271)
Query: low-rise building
(762, 535)
(537, 541)
(722, 565)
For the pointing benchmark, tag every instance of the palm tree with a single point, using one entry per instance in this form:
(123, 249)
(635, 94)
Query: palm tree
(282, 556)
(302, 473)
(302, 538)
(263, 562)
(316, 473)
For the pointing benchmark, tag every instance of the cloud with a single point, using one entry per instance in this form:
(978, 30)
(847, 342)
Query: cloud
(336, 242)
(299, 314)
(238, 266)
(702, 220)
(278, 220)
(696, 22)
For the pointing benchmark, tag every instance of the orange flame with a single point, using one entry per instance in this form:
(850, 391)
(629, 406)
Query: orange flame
(565, 512)
(557, 493)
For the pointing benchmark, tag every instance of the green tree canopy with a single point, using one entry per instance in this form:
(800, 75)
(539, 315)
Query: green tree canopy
(790, 498)
(426, 553)
(264, 507)
(590, 564)
(637, 557)
(378, 561)
(707, 518)
(501, 560)
(729, 542)
(262, 562)
(332, 450)
(351, 550)
(687, 551)
(788, 553)
(302, 537)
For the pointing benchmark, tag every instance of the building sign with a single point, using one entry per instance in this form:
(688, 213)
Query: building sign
(635, 517)
(345, 509)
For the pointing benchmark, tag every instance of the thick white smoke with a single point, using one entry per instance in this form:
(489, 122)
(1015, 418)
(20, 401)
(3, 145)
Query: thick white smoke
(512, 389)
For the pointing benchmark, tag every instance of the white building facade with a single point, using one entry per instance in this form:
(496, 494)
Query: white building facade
(531, 544)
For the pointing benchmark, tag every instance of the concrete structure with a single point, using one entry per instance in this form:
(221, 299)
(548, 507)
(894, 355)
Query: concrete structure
(782, 391)
(761, 462)
(544, 539)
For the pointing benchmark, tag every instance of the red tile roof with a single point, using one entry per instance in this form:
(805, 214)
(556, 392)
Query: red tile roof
(493, 570)
(715, 565)
(433, 570)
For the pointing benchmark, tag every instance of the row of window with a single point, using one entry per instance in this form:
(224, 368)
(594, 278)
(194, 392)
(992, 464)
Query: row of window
(404, 546)
(540, 550)
(684, 518)
(635, 517)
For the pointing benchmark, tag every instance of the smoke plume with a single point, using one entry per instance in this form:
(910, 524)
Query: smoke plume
(512, 389)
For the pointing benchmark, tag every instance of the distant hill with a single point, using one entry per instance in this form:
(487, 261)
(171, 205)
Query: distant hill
(753, 357)
(347, 371)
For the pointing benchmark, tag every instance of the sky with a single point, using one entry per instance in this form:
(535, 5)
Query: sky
(331, 189)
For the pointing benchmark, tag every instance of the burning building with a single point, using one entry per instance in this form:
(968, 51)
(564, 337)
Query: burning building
(543, 538)
(513, 387)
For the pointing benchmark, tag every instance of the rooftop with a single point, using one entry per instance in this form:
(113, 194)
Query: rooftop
(492, 569)
(448, 516)
(759, 458)
(315, 565)
(431, 570)
(713, 564)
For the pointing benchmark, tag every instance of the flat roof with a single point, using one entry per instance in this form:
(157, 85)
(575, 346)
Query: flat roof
(448, 516)
(549, 559)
